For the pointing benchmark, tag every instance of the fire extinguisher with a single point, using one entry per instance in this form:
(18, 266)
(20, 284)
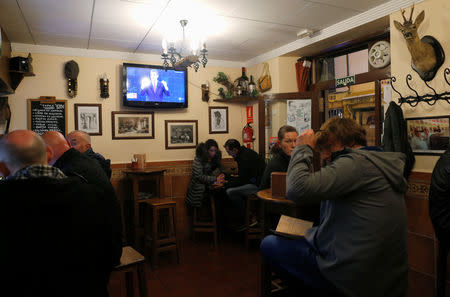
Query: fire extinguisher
(247, 135)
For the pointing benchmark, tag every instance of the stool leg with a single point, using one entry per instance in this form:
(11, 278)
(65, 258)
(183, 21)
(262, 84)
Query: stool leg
(129, 283)
(441, 270)
(214, 220)
(247, 222)
(174, 230)
(142, 280)
(194, 221)
(155, 237)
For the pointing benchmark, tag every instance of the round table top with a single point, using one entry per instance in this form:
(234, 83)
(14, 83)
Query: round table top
(267, 195)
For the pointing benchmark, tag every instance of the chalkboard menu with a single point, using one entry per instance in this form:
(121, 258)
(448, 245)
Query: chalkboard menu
(47, 114)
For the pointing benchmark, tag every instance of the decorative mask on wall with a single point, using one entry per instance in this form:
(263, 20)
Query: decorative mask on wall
(427, 54)
(71, 71)
(104, 87)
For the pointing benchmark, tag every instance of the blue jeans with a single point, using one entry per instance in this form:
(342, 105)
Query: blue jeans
(290, 258)
(237, 196)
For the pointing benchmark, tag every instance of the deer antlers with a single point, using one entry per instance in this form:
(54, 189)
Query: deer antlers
(410, 16)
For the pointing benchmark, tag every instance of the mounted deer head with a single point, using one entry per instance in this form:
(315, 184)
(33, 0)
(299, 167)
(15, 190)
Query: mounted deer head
(425, 54)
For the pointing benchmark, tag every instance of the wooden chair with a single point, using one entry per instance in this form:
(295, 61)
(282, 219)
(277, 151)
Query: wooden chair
(162, 235)
(254, 232)
(208, 226)
(133, 265)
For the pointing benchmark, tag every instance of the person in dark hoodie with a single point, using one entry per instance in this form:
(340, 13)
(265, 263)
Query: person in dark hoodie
(57, 232)
(361, 236)
(81, 141)
(250, 170)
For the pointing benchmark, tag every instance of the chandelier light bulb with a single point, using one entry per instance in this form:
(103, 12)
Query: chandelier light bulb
(164, 46)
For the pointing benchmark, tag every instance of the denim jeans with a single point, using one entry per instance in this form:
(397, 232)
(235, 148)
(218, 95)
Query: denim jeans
(237, 196)
(291, 259)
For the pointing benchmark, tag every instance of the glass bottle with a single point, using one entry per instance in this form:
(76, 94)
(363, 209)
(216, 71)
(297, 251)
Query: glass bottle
(251, 86)
(244, 82)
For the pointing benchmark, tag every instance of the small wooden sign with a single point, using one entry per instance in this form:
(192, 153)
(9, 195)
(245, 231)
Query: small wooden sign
(345, 81)
(47, 114)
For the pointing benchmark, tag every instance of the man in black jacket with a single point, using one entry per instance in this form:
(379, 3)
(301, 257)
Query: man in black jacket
(250, 170)
(81, 141)
(72, 162)
(439, 198)
(59, 235)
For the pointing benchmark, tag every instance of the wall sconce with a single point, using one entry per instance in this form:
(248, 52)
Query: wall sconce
(71, 71)
(205, 92)
(104, 87)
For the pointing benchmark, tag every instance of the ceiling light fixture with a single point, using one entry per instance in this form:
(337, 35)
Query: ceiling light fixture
(175, 57)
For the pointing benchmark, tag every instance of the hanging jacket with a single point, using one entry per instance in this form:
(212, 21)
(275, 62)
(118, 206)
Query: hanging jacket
(395, 136)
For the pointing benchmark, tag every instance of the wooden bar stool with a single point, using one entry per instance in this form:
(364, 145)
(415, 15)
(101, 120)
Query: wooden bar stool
(252, 232)
(162, 235)
(133, 265)
(208, 226)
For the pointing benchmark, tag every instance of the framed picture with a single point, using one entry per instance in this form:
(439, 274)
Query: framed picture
(181, 134)
(133, 125)
(88, 118)
(218, 120)
(429, 135)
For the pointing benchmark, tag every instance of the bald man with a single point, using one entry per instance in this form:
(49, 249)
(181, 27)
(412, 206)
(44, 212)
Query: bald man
(59, 234)
(72, 162)
(81, 141)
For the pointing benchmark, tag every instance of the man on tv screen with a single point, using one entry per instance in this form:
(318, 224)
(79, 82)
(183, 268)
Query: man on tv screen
(153, 89)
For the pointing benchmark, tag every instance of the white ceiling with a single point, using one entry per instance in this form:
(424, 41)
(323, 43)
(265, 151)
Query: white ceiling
(235, 30)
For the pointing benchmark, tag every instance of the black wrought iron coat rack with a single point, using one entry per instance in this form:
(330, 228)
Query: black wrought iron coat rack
(430, 98)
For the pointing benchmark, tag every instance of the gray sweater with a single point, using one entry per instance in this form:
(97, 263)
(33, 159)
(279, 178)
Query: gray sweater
(361, 239)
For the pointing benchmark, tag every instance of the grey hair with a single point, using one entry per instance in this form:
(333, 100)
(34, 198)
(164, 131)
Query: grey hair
(17, 157)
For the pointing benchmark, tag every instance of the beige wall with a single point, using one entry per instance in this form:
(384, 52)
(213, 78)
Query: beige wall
(282, 72)
(50, 81)
(436, 24)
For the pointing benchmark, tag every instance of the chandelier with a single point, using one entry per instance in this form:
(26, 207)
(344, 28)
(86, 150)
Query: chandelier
(174, 56)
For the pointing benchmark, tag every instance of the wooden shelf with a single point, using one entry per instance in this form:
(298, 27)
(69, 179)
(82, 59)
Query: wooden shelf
(241, 99)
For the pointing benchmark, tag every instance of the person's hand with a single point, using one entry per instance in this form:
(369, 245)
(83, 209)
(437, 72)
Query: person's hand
(220, 178)
(165, 84)
(306, 137)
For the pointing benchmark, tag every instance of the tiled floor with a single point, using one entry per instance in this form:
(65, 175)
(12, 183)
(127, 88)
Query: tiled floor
(230, 270)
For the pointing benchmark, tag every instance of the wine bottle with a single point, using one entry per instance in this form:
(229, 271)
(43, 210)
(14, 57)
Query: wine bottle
(251, 86)
(244, 82)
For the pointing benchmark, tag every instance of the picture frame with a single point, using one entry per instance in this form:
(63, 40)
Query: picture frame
(133, 124)
(218, 120)
(181, 134)
(429, 135)
(88, 118)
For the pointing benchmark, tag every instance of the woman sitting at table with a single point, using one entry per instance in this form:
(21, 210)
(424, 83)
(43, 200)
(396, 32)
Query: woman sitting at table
(281, 154)
(206, 171)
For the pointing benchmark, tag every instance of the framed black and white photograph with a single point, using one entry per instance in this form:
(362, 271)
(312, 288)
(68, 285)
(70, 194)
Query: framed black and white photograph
(429, 135)
(88, 118)
(218, 120)
(133, 125)
(181, 134)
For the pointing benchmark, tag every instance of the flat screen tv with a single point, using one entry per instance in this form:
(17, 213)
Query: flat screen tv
(150, 86)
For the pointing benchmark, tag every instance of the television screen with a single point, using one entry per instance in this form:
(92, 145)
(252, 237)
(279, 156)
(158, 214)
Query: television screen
(153, 87)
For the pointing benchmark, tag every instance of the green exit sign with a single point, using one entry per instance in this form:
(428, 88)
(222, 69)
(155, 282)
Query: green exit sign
(345, 81)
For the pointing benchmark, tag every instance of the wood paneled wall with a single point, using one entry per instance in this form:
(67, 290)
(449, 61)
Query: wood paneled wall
(422, 242)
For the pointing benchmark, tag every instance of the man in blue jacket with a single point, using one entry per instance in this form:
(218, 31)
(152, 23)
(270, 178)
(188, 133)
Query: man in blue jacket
(359, 246)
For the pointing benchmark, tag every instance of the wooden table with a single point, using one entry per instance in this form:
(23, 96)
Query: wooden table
(136, 176)
(266, 197)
